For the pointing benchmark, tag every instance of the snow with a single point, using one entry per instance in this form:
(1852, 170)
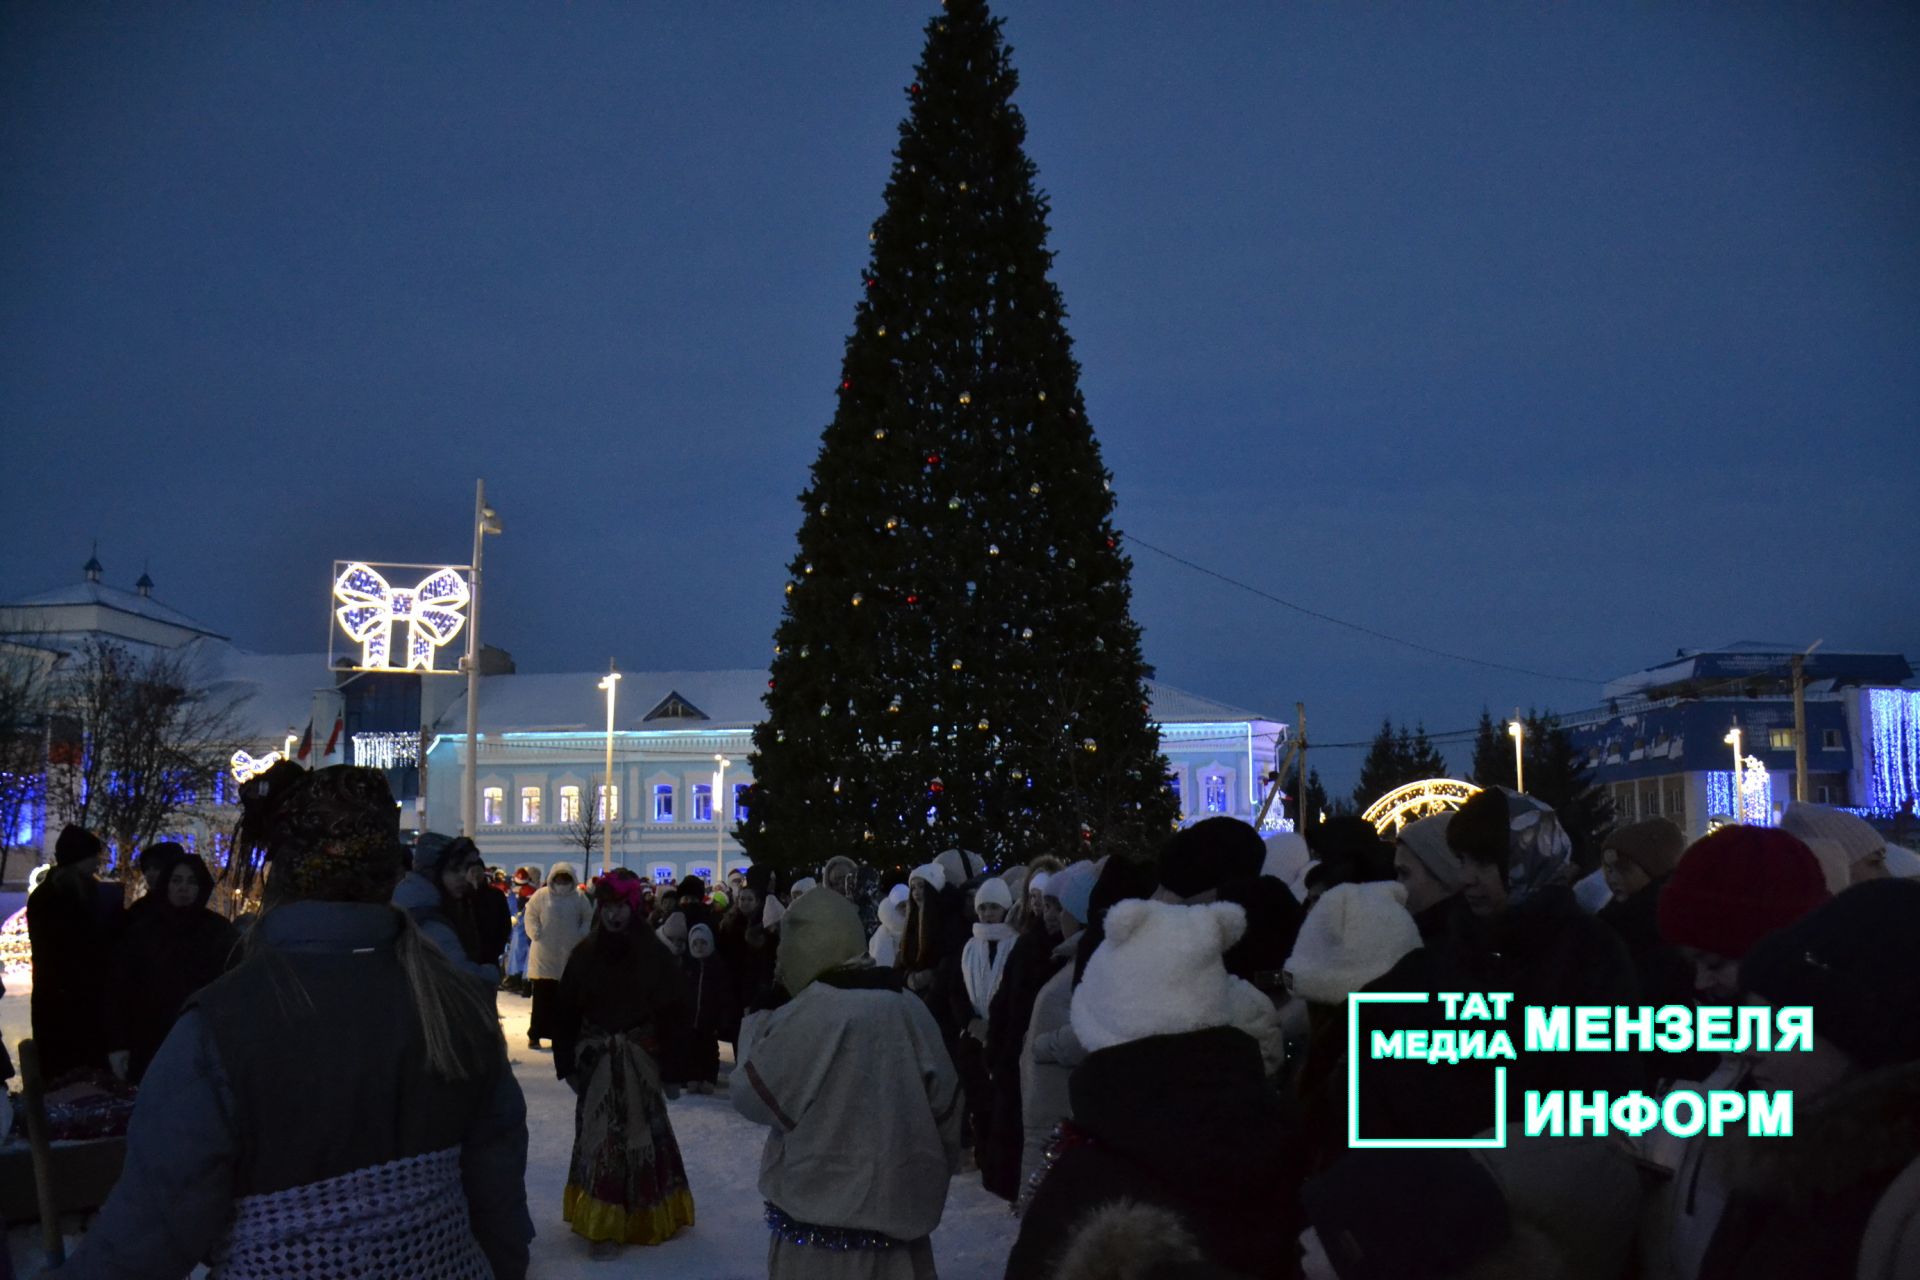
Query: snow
(722, 1154)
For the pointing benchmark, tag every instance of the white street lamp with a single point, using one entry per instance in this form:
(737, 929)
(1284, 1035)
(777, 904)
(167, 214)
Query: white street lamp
(720, 764)
(1518, 732)
(609, 682)
(1739, 767)
(485, 521)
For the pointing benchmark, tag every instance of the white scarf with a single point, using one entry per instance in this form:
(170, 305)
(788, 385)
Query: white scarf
(983, 975)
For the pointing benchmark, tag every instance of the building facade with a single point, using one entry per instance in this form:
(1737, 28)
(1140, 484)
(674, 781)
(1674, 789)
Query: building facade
(672, 807)
(1663, 744)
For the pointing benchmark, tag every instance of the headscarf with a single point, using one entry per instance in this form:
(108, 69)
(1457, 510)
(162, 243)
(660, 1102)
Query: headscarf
(821, 932)
(1538, 850)
(1426, 839)
(333, 836)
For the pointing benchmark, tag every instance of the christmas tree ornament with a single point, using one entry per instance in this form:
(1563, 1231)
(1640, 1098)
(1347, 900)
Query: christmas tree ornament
(894, 706)
(966, 397)
(957, 664)
(857, 598)
(879, 433)
(953, 504)
(1034, 489)
(1026, 633)
(1089, 745)
(983, 726)
(993, 548)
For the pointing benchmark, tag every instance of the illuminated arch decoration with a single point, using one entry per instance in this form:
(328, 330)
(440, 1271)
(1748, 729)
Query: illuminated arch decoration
(244, 766)
(370, 607)
(1422, 799)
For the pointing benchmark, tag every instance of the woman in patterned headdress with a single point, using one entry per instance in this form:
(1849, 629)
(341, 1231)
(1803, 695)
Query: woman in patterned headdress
(339, 1105)
(622, 1002)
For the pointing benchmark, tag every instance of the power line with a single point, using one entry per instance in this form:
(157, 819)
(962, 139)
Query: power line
(1355, 626)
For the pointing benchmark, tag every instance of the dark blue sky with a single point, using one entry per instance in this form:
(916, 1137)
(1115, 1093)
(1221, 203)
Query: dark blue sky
(1558, 335)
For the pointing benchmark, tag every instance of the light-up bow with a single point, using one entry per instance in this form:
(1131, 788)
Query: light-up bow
(245, 766)
(369, 608)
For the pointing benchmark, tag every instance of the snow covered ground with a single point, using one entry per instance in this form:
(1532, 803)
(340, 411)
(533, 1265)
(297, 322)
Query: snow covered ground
(722, 1153)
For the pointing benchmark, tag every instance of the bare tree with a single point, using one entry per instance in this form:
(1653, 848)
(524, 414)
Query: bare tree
(25, 700)
(152, 740)
(587, 827)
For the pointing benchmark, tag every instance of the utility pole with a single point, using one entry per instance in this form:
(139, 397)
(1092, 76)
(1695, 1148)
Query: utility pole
(484, 523)
(1800, 788)
(1300, 740)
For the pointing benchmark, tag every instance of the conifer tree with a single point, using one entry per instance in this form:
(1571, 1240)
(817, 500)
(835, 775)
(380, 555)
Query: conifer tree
(956, 664)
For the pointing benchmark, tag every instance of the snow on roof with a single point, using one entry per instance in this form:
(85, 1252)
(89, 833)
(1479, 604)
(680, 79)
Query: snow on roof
(272, 692)
(1760, 660)
(97, 593)
(573, 703)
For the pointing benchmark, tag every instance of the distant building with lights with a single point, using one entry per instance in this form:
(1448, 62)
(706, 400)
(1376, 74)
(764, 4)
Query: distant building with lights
(1659, 745)
(542, 738)
(542, 757)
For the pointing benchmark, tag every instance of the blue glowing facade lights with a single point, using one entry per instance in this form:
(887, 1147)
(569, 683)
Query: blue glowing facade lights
(1893, 739)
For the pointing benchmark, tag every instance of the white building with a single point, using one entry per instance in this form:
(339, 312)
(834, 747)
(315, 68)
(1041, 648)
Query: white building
(542, 754)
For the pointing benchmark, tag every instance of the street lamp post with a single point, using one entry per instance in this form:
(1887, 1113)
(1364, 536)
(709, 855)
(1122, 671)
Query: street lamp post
(609, 683)
(720, 764)
(484, 523)
(1518, 732)
(1739, 768)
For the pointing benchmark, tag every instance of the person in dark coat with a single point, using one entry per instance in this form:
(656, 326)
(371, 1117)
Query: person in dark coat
(343, 1077)
(1531, 938)
(1347, 850)
(747, 948)
(693, 902)
(1837, 1197)
(1029, 966)
(715, 1010)
(169, 951)
(622, 1002)
(438, 894)
(1171, 1107)
(155, 864)
(72, 939)
(492, 915)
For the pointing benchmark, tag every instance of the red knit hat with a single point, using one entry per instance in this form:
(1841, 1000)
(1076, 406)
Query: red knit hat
(1736, 886)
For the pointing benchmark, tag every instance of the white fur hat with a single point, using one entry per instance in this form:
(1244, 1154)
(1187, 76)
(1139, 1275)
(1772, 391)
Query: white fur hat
(899, 894)
(1354, 934)
(1855, 835)
(1835, 868)
(993, 893)
(1157, 972)
(893, 912)
(1038, 881)
(936, 878)
(805, 884)
(1287, 857)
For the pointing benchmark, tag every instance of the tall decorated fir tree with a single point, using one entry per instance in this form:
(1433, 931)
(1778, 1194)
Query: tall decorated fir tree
(956, 665)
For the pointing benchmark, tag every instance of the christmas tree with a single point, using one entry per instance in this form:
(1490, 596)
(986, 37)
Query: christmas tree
(1396, 758)
(956, 665)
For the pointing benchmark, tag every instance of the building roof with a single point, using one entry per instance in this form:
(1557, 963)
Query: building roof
(573, 703)
(1730, 669)
(82, 594)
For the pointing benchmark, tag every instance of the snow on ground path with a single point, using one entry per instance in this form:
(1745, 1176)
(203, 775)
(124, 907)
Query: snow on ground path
(722, 1152)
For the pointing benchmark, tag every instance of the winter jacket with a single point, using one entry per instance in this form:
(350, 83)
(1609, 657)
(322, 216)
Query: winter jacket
(556, 921)
(1049, 1051)
(748, 948)
(625, 983)
(448, 924)
(1581, 1195)
(1032, 962)
(712, 1004)
(1801, 1206)
(983, 962)
(71, 927)
(1665, 976)
(1547, 951)
(1183, 1122)
(862, 1100)
(492, 924)
(306, 1065)
(167, 954)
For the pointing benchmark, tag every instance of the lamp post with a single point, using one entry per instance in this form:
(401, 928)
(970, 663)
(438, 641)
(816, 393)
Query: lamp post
(720, 764)
(1739, 798)
(484, 523)
(1518, 732)
(609, 682)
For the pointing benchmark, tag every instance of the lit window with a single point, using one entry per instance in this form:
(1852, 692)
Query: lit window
(492, 799)
(529, 804)
(703, 802)
(663, 802)
(1216, 789)
(1779, 739)
(569, 804)
(740, 801)
(662, 873)
(705, 873)
(607, 806)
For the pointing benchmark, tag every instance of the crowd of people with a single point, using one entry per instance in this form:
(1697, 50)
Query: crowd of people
(1150, 1059)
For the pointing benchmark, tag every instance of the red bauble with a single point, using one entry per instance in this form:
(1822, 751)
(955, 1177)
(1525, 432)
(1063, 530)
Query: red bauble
(933, 459)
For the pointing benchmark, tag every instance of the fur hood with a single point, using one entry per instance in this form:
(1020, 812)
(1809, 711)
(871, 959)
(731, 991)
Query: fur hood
(1126, 1240)
(1868, 1128)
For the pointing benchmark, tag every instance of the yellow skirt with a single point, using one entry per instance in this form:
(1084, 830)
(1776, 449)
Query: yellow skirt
(598, 1220)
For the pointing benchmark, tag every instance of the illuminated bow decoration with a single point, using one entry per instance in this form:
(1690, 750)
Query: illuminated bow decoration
(369, 608)
(244, 766)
